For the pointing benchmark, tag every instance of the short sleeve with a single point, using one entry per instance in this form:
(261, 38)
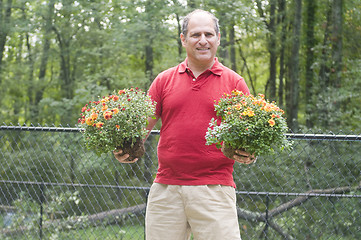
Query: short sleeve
(242, 86)
(155, 92)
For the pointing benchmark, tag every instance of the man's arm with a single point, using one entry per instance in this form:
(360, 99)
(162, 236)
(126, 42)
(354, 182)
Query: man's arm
(121, 157)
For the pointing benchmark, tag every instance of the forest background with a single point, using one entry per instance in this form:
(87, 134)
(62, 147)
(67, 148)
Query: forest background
(57, 55)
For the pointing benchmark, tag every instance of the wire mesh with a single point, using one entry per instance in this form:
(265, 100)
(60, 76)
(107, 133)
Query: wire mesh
(52, 187)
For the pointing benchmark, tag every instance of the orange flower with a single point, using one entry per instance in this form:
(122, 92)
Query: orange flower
(107, 115)
(104, 100)
(271, 122)
(89, 121)
(117, 126)
(99, 124)
(94, 116)
(105, 107)
(115, 110)
(121, 92)
(115, 98)
(269, 107)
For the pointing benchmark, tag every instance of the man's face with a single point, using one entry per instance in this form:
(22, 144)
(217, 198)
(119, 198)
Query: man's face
(202, 41)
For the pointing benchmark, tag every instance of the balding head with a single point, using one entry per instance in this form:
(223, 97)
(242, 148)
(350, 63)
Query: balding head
(198, 12)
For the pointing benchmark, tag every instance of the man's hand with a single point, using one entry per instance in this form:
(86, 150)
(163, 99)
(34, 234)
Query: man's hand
(238, 155)
(244, 157)
(123, 158)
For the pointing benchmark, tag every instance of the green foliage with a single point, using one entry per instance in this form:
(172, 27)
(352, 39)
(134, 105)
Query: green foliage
(28, 212)
(115, 120)
(53, 50)
(249, 123)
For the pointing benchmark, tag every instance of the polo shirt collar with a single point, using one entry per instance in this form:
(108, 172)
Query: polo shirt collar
(216, 68)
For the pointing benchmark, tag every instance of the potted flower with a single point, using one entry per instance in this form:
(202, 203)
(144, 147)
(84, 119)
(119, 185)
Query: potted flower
(249, 123)
(117, 121)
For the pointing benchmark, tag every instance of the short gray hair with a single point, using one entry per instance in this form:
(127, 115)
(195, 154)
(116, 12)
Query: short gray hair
(189, 15)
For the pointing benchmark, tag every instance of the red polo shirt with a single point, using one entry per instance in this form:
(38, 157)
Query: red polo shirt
(185, 105)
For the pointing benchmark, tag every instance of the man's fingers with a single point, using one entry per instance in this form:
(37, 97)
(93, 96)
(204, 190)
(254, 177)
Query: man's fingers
(118, 151)
(123, 157)
(130, 161)
(244, 160)
(242, 153)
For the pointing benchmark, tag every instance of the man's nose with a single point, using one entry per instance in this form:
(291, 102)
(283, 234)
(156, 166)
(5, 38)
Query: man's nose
(203, 39)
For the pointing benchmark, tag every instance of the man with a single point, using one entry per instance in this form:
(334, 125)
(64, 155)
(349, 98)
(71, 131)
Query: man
(194, 189)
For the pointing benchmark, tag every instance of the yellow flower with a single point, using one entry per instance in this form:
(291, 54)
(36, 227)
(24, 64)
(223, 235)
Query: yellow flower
(250, 113)
(271, 122)
(237, 93)
(238, 107)
(104, 100)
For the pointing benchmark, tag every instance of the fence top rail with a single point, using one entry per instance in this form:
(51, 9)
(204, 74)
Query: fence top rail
(294, 136)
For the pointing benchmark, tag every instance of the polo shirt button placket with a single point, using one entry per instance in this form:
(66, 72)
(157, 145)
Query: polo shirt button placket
(194, 79)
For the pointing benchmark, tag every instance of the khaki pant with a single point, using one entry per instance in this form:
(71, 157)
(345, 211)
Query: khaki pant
(208, 211)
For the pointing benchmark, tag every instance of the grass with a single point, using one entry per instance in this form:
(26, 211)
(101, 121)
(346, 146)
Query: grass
(92, 233)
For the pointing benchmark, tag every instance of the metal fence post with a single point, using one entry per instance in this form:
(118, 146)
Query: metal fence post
(267, 224)
(42, 197)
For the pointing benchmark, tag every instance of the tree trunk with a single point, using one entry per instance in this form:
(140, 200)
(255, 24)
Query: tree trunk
(149, 62)
(310, 44)
(5, 14)
(179, 42)
(149, 59)
(293, 68)
(247, 69)
(223, 50)
(232, 49)
(34, 99)
(282, 21)
(272, 51)
(324, 73)
(336, 68)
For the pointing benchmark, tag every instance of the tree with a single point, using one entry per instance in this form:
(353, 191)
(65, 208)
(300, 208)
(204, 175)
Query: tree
(293, 70)
(5, 21)
(310, 43)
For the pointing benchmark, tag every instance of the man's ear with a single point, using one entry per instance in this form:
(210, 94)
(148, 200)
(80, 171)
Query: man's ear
(183, 39)
(219, 39)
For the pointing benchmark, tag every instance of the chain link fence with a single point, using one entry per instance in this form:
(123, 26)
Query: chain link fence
(52, 187)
